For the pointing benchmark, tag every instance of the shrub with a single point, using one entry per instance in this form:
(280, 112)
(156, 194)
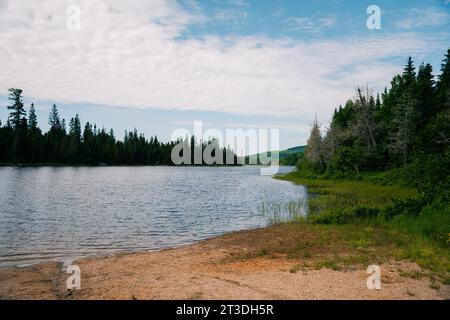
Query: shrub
(408, 207)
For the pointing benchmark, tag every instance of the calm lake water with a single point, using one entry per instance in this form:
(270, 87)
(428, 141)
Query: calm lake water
(62, 213)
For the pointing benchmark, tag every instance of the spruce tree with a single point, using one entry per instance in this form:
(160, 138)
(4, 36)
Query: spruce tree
(32, 119)
(425, 93)
(443, 85)
(63, 126)
(75, 128)
(53, 120)
(444, 77)
(409, 73)
(17, 116)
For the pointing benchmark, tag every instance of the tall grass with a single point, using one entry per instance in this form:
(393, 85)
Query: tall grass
(340, 194)
(410, 225)
(276, 213)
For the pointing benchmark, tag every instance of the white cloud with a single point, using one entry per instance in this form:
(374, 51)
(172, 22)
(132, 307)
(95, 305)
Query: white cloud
(297, 127)
(133, 55)
(230, 15)
(194, 4)
(424, 17)
(309, 24)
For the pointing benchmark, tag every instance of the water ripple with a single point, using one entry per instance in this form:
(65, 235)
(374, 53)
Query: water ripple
(51, 213)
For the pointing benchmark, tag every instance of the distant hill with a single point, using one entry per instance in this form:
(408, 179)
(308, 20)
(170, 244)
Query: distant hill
(287, 157)
(299, 149)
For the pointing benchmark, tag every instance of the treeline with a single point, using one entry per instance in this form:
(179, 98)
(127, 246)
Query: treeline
(23, 142)
(405, 129)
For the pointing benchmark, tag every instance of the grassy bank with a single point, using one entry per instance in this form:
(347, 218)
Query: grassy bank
(356, 223)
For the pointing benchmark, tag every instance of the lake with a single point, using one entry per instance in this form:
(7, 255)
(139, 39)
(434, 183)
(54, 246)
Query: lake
(63, 213)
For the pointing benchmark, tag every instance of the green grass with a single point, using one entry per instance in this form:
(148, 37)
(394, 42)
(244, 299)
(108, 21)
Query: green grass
(342, 193)
(376, 223)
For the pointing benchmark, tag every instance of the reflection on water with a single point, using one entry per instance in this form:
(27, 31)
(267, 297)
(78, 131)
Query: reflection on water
(67, 212)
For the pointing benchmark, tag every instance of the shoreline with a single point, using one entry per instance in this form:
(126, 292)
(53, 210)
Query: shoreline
(99, 165)
(231, 266)
(293, 260)
(95, 256)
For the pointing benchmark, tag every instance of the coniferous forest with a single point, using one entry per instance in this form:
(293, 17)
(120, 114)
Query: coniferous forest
(404, 132)
(383, 163)
(23, 142)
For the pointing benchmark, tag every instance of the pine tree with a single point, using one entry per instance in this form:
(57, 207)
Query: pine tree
(425, 92)
(63, 126)
(443, 85)
(53, 120)
(444, 77)
(75, 128)
(17, 116)
(32, 119)
(409, 73)
(378, 103)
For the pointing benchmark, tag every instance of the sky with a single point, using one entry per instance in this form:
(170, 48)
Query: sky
(160, 65)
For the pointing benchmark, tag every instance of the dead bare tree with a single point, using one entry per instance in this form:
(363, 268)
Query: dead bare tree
(314, 145)
(329, 144)
(365, 105)
(403, 127)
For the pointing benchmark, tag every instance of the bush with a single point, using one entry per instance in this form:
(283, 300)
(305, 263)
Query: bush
(408, 207)
(347, 160)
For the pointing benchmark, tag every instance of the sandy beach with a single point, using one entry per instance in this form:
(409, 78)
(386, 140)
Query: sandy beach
(226, 267)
